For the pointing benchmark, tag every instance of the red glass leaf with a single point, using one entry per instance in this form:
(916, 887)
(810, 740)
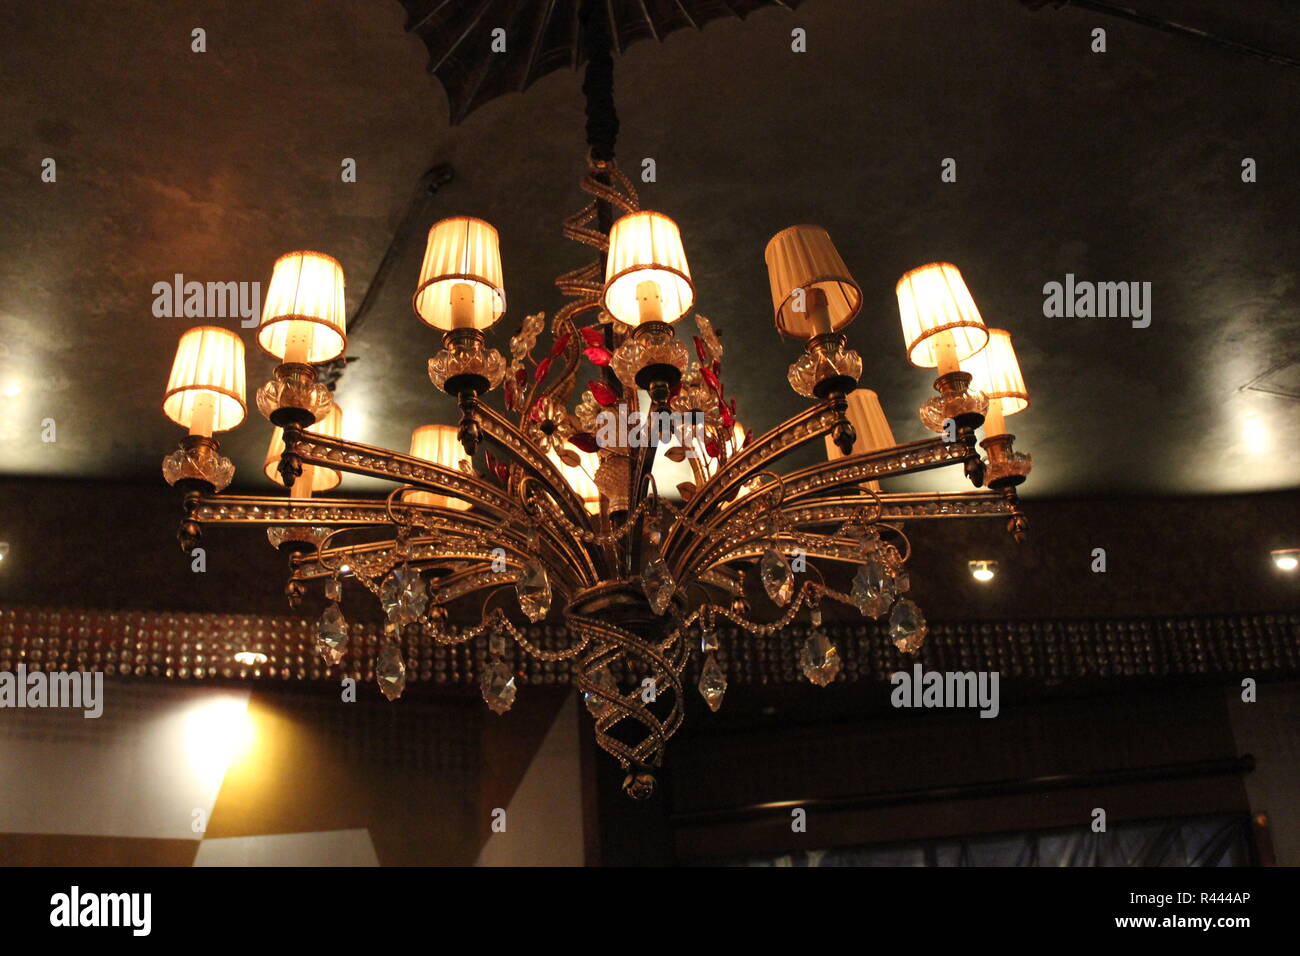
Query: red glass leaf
(711, 378)
(598, 354)
(543, 367)
(559, 345)
(701, 351)
(585, 441)
(602, 393)
(713, 447)
(594, 336)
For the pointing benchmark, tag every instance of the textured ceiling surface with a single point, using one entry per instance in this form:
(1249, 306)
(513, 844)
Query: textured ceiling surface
(1122, 166)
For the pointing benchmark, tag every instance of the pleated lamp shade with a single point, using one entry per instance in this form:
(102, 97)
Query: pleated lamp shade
(800, 261)
(322, 479)
(461, 284)
(869, 422)
(934, 299)
(304, 318)
(995, 372)
(437, 444)
(205, 391)
(646, 247)
(582, 482)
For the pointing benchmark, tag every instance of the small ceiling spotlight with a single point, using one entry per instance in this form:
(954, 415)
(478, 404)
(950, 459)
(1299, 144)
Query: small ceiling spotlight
(1286, 559)
(4, 550)
(251, 658)
(982, 571)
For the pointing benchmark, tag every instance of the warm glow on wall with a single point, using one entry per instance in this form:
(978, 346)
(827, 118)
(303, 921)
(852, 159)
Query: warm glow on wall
(218, 732)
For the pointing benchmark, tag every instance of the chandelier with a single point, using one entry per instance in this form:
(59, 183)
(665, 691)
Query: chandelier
(552, 511)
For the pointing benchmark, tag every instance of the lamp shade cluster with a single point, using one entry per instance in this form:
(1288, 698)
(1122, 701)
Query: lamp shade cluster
(812, 291)
(438, 445)
(304, 317)
(205, 391)
(461, 284)
(646, 275)
(941, 323)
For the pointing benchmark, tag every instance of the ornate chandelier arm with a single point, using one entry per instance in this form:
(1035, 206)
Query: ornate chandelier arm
(359, 459)
(499, 430)
(580, 557)
(807, 426)
(897, 507)
(380, 463)
(272, 510)
(816, 480)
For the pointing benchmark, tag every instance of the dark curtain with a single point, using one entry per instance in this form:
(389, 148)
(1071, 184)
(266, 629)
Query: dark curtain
(1199, 841)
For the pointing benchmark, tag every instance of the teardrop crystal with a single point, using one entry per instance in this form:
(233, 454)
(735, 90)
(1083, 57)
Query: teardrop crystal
(333, 589)
(332, 635)
(873, 588)
(498, 686)
(819, 659)
(390, 671)
(713, 683)
(534, 590)
(403, 595)
(907, 627)
(597, 705)
(778, 578)
(658, 584)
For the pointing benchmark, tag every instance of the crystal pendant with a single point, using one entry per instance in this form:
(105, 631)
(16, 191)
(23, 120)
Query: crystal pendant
(403, 595)
(534, 590)
(658, 584)
(390, 671)
(598, 706)
(498, 686)
(708, 637)
(819, 659)
(778, 579)
(332, 635)
(873, 588)
(907, 627)
(333, 589)
(713, 683)
(815, 615)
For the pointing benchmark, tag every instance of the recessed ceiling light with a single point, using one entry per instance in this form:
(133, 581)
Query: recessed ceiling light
(251, 657)
(982, 571)
(1286, 559)
(4, 550)
(11, 388)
